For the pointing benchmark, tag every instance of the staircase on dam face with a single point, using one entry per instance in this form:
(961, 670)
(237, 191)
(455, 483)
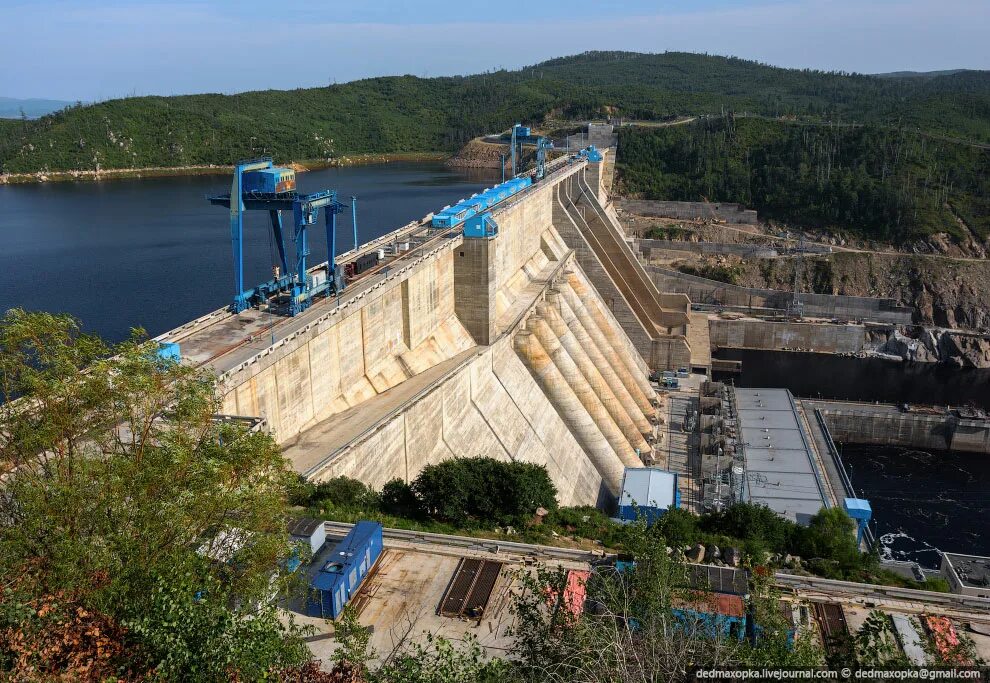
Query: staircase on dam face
(656, 323)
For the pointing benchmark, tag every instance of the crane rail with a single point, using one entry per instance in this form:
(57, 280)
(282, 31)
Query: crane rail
(865, 590)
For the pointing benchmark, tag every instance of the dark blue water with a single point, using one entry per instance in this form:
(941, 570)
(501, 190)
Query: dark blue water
(154, 253)
(823, 375)
(923, 501)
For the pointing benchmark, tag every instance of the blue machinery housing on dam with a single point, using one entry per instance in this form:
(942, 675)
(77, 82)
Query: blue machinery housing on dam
(262, 186)
(472, 212)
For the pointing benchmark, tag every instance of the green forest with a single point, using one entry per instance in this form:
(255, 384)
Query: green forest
(890, 184)
(410, 114)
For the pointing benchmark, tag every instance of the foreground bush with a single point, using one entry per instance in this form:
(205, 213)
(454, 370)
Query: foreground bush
(463, 492)
(118, 480)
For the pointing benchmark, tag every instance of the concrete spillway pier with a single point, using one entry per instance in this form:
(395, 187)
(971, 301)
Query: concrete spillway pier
(599, 385)
(567, 403)
(502, 346)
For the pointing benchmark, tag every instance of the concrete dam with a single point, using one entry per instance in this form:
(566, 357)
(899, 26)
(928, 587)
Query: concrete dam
(532, 344)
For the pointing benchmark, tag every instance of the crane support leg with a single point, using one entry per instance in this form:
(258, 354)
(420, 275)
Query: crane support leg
(276, 217)
(331, 219)
(302, 251)
(354, 220)
(237, 241)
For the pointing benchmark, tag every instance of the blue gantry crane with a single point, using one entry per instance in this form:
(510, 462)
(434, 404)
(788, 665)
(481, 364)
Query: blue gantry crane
(522, 135)
(259, 185)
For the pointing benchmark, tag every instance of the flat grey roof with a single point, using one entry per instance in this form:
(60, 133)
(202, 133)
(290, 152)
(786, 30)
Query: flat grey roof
(778, 460)
(780, 467)
(972, 570)
(774, 437)
(762, 399)
(766, 418)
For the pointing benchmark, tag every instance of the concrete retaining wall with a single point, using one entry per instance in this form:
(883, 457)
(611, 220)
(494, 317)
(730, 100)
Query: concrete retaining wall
(728, 212)
(762, 334)
(705, 291)
(892, 428)
(647, 248)
(655, 323)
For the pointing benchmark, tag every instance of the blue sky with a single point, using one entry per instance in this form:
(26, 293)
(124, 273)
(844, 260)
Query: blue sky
(98, 49)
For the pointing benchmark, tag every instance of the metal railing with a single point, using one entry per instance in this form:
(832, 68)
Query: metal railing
(841, 467)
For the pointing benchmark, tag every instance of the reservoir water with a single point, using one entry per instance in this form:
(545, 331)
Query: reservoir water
(152, 252)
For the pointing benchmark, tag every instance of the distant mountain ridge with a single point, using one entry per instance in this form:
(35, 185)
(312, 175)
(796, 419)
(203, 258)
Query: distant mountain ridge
(920, 74)
(410, 114)
(32, 108)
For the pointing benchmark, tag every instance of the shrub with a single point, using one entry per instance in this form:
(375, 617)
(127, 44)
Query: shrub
(398, 498)
(344, 492)
(830, 536)
(471, 491)
(678, 526)
(752, 522)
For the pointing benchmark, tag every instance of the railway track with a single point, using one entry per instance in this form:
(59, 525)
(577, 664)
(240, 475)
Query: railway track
(495, 547)
(849, 589)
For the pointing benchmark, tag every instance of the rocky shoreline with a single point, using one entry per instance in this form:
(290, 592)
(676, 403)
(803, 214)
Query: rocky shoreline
(479, 154)
(933, 345)
(208, 169)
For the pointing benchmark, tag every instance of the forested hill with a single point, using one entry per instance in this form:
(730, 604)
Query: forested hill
(408, 114)
(891, 184)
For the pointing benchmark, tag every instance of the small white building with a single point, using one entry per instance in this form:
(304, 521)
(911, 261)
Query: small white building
(967, 574)
(648, 492)
(311, 532)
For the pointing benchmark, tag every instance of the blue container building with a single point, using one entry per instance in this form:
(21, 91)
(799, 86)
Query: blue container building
(338, 573)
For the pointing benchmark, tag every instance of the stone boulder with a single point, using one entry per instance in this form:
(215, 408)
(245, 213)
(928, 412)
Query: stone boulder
(695, 554)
